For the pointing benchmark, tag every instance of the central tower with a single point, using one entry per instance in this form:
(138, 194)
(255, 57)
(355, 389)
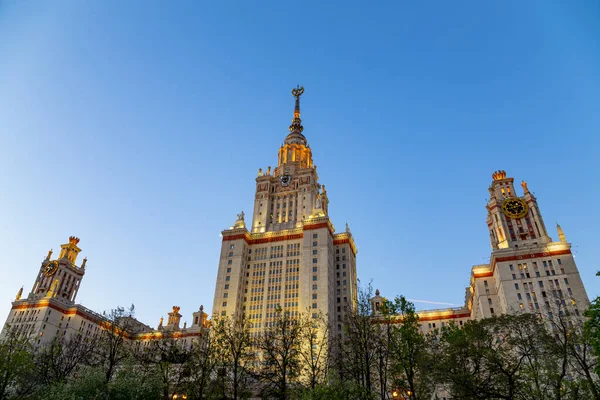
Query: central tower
(286, 196)
(289, 257)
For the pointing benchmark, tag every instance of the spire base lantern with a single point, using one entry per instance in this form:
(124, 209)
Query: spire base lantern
(295, 149)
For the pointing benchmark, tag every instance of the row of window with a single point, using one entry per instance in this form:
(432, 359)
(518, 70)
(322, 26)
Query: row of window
(545, 263)
(560, 303)
(541, 284)
(293, 250)
(26, 316)
(551, 272)
(432, 325)
(283, 205)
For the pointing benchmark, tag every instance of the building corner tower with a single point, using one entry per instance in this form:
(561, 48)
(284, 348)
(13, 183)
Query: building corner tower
(49, 310)
(289, 255)
(528, 271)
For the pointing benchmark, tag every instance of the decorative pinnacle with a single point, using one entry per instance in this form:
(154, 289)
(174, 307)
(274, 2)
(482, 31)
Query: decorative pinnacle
(525, 188)
(561, 233)
(499, 175)
(296, 125)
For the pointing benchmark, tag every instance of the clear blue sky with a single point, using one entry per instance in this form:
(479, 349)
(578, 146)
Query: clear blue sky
(139, 127)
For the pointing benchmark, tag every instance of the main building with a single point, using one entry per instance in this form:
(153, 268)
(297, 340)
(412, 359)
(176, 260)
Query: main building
(289, 256)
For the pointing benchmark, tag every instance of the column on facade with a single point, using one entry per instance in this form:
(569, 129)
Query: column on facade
(74, 294)
(295, 209)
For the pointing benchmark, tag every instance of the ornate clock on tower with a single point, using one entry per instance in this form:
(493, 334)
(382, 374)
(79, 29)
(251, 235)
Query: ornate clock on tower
(515, 208)
(285, 180)
(51, 268)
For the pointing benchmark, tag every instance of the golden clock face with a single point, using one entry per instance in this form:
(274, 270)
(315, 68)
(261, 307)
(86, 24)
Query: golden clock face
(514, 208)
(51, 268)
(285, 180)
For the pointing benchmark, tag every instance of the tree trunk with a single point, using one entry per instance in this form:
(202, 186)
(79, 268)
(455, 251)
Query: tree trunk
(235, 382)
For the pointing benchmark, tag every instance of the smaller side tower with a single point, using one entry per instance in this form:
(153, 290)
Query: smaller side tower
(528, 271)
(60, 279)
(513, 221)
(174, 318)
(50, 310)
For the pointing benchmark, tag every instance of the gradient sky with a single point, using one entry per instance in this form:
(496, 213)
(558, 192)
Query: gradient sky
(140, 126)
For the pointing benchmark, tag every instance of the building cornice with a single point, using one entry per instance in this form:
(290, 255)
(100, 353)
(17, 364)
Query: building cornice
(345, 237)
(288, 234)
(428, 315)
(100, 320)
(75, 309)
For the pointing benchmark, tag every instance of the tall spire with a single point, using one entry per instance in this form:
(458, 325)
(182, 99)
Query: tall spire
(295, 149)
(296, 125)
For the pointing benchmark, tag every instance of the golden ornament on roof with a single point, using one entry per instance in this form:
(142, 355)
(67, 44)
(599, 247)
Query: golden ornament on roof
(298, 91)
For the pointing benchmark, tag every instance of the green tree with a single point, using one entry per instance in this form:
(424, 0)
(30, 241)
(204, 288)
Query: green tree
(128, 383)
(280, 345)
(506, 357)
(201, 365)
(356, 352)
(165, 357)
(545, 364)
(410, 359)
(315, 350)
(386, 321)
(236, 355)
(581, 348)
(89, 385)
(590, 335)
(16, 363)
(63, 356)
(113, 348)
(592, 327)
(333, 390)
(476, 361)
